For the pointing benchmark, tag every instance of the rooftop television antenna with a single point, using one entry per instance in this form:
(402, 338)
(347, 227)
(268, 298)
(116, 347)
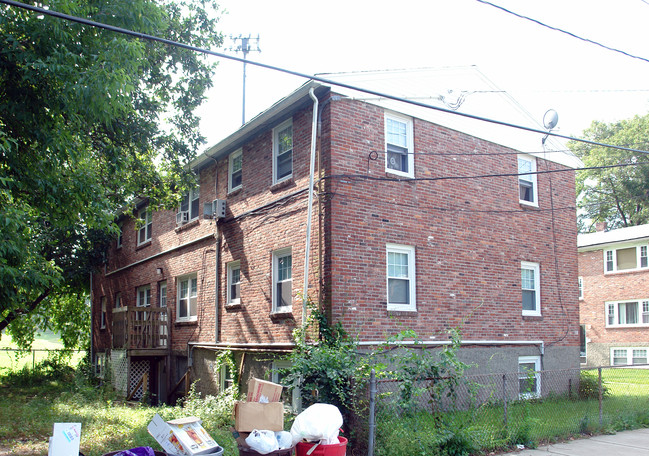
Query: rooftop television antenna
(245, 45)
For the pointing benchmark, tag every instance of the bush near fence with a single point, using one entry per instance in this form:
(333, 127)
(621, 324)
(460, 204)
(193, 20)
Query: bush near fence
(492, 412)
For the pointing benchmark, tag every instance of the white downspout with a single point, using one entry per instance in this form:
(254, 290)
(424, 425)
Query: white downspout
(310, 204)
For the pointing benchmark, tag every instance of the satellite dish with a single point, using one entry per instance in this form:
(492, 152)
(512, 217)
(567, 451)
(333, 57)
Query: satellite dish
(550, 119)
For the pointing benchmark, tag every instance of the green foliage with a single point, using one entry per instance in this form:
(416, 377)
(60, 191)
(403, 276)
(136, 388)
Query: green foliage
(89, 120)
(589, 386)
(214, 411)
(328, 369)
(618, 196)
(424, 375)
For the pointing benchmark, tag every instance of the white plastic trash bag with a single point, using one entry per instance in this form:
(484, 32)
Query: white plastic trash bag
(284, 439)
(263, 442)
(318, 423)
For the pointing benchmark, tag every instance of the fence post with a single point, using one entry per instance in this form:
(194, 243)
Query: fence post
(372, 423)
(505, 400)
(599, 375)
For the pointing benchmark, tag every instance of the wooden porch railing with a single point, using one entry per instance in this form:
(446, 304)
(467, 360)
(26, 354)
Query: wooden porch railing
(140, 328)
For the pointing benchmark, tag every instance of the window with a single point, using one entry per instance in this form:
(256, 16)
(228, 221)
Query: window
(529, 377)
(530, 284)
(118, 300)
(162, 303)
(120, 235)
(627, 313)
(527, 182)
(399, 152)
(282, 280)
(144, 233)
(283, 151)
(189, 207)
(162, 294)
(100, 367)
(225, 377)
(400, 274)
(234, 170)
(234, 283)
(582, 344)
(626, 259)
(187, 298)
(628, 356)
(102, 318)
(144, 296)
(580, 281)
(277, 376)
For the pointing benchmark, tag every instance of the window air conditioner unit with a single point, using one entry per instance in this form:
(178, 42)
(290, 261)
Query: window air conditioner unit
(182, 217)
(215, 209)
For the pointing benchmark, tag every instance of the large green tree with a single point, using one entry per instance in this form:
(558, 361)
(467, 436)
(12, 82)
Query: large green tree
(89, 120)
(618, 196)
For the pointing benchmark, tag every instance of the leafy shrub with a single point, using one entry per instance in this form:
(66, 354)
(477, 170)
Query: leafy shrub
(589, 386)
(214, 411)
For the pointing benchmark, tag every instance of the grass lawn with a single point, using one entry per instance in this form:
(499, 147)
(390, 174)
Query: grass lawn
(11, 359)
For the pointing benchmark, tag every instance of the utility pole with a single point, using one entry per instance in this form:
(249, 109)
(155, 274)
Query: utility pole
(244, 44)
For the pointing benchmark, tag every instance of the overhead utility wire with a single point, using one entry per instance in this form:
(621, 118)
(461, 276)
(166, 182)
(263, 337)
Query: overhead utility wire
(608, 48)
(144, 36)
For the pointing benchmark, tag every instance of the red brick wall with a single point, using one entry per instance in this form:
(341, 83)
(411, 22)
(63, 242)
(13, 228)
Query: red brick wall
(600, 288)
(470, 236)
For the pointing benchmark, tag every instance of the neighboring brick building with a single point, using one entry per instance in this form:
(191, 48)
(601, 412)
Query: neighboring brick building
(614, 295)
(415, 225)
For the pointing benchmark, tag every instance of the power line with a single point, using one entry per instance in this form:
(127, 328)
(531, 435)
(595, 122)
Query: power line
(587, 40)
(145, 36)
(480, 176)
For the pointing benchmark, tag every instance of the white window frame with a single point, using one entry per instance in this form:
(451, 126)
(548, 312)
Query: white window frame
(410, 151)
(146, 215)
(231, 267)
(118, 300)
(143, 296)
(276, 131)
(193, 209)
(537, 375)
(411, 277)
(104, 313)
(277, 254)
(231, 171)
(536, 268)
(580, 284)
(610, 255)
(226, 377)
(530, 179)
(612, 311)
(100, 366)
(630, 355)
(120, 235)
(191, 297)
(162, 294)
(296, 396)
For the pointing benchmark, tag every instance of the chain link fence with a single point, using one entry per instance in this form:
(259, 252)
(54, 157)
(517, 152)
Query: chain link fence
(13, 359)
(496, 411)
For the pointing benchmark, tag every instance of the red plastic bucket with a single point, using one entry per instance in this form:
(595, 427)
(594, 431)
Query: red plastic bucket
(335, 449)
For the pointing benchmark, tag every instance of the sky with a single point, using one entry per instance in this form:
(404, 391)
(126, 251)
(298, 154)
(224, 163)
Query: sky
(541, 68)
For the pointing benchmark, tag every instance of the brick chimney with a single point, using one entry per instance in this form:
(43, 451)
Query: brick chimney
(600, 226)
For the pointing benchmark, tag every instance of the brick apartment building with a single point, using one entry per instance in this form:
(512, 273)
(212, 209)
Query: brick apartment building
(614, 295)
(414, 225)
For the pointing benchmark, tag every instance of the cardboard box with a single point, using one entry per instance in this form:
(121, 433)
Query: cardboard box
(184, 436)
(249, 416)
(65, 439)
(264, 391)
